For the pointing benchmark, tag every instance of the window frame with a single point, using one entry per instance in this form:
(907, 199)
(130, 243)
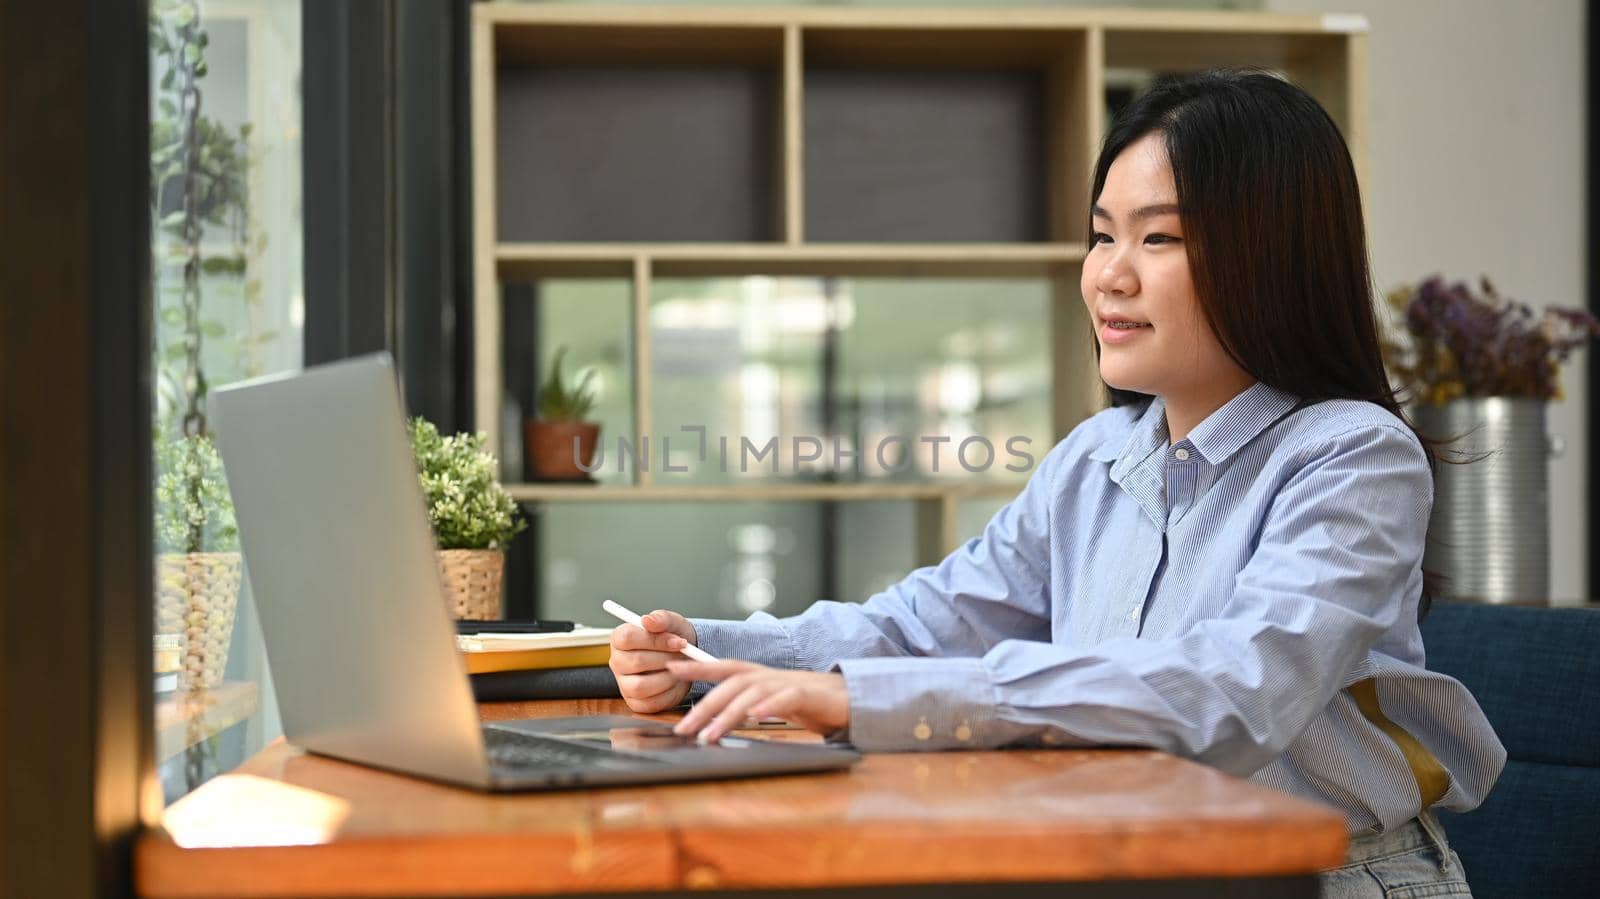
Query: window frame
(76, 706)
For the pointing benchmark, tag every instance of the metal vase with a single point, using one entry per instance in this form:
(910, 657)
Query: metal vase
(1490, 530)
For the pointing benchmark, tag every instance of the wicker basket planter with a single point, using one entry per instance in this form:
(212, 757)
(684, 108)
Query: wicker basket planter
(472, 579)
(197, 597)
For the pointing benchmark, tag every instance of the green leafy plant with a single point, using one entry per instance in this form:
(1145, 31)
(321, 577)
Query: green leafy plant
(559, 403)
(194, 512)
(1457, 343)
(466, 505)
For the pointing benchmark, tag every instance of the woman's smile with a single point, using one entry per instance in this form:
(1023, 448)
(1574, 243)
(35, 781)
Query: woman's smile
(1114, 331)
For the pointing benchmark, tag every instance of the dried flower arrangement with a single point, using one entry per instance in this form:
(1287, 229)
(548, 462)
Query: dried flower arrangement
(1458, 344)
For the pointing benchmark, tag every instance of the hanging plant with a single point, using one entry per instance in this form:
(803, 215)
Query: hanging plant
(198, 190)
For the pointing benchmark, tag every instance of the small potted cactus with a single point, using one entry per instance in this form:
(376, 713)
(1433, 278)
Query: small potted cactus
(561, 441)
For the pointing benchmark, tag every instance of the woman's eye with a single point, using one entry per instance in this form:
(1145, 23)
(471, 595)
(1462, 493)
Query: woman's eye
(1160, 238)
(1099, 237)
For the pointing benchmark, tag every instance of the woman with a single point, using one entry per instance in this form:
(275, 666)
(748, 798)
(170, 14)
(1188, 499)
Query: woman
(1226, 564)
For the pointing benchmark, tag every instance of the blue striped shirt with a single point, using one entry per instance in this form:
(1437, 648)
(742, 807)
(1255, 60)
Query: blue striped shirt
(1222, 598)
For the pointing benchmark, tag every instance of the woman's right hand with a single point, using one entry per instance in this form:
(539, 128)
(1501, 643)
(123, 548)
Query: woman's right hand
(639, 658)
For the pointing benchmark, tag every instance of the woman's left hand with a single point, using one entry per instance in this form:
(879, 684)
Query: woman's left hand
(816, 701)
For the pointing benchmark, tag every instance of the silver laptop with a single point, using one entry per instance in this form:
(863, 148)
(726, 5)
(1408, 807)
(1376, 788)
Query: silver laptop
(341, 562)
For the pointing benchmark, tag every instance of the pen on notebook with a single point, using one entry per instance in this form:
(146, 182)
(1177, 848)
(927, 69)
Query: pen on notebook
(692, 651)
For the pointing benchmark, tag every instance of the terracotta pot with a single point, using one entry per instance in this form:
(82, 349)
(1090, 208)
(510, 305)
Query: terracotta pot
(550, 454)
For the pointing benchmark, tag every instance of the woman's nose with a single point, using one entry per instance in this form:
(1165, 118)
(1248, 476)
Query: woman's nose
(1117, 279)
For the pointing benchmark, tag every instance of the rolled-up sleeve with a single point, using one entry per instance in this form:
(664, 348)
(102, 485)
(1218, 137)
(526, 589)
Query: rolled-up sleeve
(1335, 564)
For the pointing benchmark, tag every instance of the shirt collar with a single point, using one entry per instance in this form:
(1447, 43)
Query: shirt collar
(1222, 434)
(1149, 435)
(1239, 421)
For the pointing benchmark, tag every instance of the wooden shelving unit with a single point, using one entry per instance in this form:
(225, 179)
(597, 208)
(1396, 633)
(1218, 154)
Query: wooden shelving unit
(764, 168)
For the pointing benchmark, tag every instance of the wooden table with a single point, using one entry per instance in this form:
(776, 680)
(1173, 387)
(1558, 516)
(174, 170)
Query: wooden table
(291, 824)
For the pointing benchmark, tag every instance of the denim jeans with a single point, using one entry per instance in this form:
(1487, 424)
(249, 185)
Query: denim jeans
(1413, 860)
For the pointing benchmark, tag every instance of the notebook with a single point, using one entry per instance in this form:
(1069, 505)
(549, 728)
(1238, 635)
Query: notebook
(582, 647)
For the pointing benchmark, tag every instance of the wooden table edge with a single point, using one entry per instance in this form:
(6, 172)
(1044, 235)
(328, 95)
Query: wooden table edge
(700, 857)
(872, 855)
(441, 865)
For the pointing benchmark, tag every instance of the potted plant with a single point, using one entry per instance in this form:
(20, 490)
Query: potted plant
(561, 441)
(1480, 371)
(473, 517)
(197, 562)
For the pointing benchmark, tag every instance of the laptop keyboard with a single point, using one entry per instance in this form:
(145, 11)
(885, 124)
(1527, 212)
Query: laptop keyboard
(525, 752)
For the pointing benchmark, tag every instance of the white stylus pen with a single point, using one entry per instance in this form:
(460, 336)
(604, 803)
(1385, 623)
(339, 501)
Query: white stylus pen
(692, 651)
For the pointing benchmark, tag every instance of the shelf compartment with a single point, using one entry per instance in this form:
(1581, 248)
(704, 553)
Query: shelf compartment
(719, 560)
(1179, 50)
(554, 43)
(944, 135)
(736, 552)
(615, 133)
(593, 319)
(1327, 61)
(739, 556)
(849, 376)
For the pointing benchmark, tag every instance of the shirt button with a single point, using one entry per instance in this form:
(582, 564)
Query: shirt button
(1050, 738)
(922, 731)
(1182, 454)
(963, 733)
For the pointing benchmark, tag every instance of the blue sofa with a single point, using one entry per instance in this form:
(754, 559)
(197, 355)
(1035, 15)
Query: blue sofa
(1536, 672)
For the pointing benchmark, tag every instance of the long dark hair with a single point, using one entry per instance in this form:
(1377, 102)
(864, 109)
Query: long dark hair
(1271, 213)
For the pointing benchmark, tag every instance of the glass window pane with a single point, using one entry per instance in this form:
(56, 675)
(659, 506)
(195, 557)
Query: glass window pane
(719, 560)
(227, 270)
(949, 358)
(741, 358)
(876, 546)
(849, 378)
(716, 560)
(973, 515)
